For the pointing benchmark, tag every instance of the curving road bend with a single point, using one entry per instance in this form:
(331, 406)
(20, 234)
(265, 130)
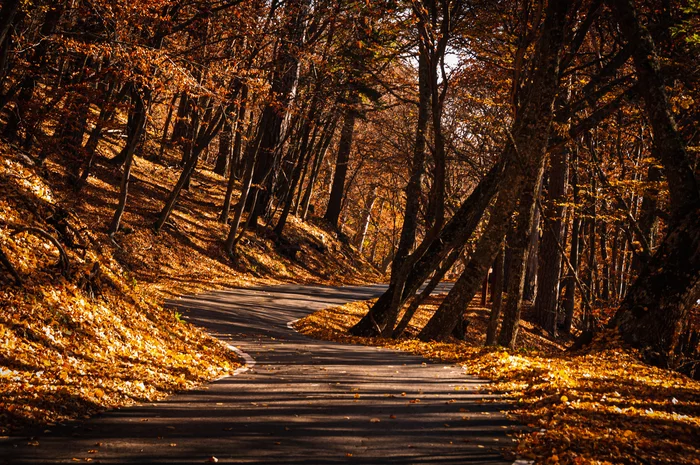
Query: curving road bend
(301, 401)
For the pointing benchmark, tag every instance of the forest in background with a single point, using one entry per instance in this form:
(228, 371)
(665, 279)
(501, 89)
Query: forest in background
(550, 145)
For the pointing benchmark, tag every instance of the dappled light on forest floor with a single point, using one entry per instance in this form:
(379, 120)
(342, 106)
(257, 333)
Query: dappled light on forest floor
(598, 406)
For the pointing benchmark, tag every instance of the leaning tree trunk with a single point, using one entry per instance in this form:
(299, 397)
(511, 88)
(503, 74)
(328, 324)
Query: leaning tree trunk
(203, 139)
(236, 155)
(530, 135)
(454, 235)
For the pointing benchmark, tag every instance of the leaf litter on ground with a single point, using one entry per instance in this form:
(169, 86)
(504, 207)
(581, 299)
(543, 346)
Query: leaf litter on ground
(597, 406)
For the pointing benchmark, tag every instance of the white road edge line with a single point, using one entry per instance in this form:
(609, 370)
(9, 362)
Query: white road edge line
(290, 324)
(248, 365)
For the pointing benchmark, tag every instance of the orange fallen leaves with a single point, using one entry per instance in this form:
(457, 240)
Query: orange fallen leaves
(601, 406)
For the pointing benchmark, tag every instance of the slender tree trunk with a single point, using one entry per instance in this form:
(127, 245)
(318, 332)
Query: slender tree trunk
(342, 161)
(223, 157)
(530, 288)
(320, 156)
(275, 112)
(231, 238)
(206, 135)
(166, 126)
(550, 257)
(426, 292)
(236, 154)
(140, 121)
(497, 298)
(570, 291)
(364, 219)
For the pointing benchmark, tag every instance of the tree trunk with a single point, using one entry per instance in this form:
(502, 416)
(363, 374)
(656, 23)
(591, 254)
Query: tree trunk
(223, 157)
(341, 163)
(497, 297)
(364, 219)
(205, 136)
(530, 288)
(275, 112)
(519, 246)
(236, 154)
(139, 121)
(320, 155)
(454, 235)
(550, 257)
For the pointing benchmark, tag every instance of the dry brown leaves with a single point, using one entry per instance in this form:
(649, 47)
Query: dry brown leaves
(65, 353)
(599, 407)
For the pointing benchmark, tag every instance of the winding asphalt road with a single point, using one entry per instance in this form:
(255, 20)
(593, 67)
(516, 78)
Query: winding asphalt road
(300, 401)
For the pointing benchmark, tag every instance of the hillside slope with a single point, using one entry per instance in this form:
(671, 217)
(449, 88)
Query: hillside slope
(86, 331)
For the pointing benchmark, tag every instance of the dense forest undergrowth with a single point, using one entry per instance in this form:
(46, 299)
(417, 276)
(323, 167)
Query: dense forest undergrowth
(86, 331)
(600, 405)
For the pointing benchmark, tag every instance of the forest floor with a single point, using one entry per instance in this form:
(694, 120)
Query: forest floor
(93, 335)
(597, 406)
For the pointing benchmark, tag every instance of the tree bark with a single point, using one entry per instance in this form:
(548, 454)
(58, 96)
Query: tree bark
(139, 122)
(341, 163)
(223, 157)
(364, 219)
(497, 297)
(550, 258)
(236, 154)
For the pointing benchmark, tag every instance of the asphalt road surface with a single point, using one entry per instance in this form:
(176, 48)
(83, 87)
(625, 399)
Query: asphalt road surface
(298, 401)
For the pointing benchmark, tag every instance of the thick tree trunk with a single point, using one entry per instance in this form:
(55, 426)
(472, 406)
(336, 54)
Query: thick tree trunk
(519, 246)
(655, 312)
